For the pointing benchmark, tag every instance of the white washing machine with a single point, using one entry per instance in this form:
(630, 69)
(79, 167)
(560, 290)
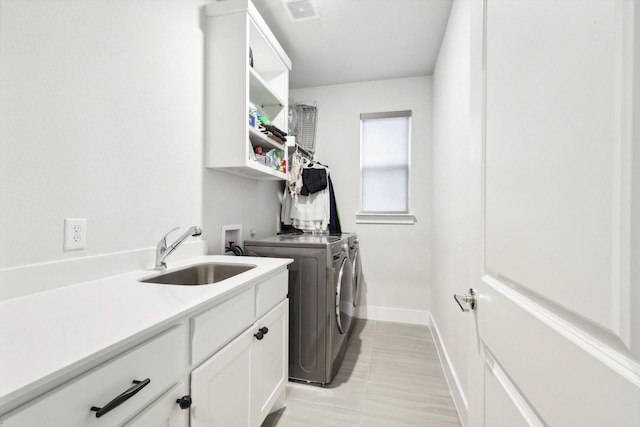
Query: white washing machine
(321, 304)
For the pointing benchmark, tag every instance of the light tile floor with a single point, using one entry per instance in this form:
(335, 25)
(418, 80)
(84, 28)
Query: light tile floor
(390, 377)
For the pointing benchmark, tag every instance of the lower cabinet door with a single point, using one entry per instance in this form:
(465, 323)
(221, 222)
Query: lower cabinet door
(270, 370)
(166, 411)
(221, 386)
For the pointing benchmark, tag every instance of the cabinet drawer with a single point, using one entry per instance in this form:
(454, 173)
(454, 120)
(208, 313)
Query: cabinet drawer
(270, 292)
(219, 325)
(161, 360)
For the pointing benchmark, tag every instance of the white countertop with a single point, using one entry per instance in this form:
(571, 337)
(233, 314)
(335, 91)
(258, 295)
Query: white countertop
(48, 337)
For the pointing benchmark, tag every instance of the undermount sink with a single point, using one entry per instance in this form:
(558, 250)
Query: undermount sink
(199, 274)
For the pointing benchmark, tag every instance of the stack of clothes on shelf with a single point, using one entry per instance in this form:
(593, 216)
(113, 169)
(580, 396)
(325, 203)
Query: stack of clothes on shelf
(264, 125)
(309, 200)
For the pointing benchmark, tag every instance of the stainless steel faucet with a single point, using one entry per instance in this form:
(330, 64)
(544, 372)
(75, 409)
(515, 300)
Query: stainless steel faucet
(162, 251)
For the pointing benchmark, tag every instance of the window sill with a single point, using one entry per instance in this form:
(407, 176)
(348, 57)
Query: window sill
(386, 218)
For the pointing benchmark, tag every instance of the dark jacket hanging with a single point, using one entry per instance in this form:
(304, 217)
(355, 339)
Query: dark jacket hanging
(334, 218)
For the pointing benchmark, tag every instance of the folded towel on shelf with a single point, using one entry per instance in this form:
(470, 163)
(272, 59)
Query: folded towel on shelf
(275, 137)
(275, 131)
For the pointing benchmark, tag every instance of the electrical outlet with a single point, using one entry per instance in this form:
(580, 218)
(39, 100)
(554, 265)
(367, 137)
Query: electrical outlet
(75, 233)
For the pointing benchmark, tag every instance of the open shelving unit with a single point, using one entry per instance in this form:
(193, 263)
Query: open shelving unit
(234, 29)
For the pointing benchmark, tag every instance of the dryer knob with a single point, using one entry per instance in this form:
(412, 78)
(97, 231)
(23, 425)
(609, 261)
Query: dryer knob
(345, 248)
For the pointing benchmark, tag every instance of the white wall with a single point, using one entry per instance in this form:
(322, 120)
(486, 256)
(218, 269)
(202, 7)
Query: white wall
(635, 185)
(395, 258)
(230, 200)
(101, 113)
(452, 200)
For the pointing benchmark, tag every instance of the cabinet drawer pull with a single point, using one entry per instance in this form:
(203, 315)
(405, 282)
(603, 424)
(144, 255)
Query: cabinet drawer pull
(264, 330)
(126, 395)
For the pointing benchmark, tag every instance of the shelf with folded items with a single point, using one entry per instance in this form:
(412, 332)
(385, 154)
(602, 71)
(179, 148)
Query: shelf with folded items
(259, 139)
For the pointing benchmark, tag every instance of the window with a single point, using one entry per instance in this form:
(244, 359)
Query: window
(385, 153)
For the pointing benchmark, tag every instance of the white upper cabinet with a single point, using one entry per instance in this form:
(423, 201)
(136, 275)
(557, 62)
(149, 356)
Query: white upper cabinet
(236, 35)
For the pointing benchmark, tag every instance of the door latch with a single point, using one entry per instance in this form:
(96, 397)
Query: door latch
(467, 301)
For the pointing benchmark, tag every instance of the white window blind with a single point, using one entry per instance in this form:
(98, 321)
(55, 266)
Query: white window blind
(385, 147)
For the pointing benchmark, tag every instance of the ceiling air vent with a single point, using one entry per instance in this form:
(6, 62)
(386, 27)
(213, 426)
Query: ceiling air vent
(300, 10)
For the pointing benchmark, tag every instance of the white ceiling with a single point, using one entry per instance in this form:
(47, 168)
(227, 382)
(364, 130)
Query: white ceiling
(360, 40)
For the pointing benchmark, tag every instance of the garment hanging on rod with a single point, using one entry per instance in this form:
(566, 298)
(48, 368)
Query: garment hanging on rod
(314, 178)
(309, 201)
(298, 160)
(308, 213)
(334, 216)
(306, 207)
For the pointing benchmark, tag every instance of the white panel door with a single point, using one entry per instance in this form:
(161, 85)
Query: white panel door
(221, 386)
(270, 361)
(559, 288)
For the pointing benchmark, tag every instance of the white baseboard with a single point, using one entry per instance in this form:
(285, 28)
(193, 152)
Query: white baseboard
(32, 278)
(391, 314)
(456, 389)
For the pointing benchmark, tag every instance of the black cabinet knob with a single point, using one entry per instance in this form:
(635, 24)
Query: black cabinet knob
(184, 402)
(259, 335)
(264, 330)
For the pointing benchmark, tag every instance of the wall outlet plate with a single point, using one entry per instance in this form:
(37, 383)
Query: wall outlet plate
(75, 234)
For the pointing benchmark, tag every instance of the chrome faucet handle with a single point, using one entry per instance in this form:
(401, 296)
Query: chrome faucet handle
(162, 244)
(161, 248)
